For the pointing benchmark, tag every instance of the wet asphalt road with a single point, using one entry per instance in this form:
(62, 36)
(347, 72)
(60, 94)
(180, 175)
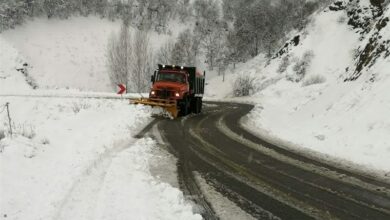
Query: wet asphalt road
(265, 180)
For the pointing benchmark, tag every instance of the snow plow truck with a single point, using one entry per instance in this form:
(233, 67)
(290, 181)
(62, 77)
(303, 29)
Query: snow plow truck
(177, 89)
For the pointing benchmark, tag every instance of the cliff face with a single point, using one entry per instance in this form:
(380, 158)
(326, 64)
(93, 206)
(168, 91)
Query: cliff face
(372, 24)
(368, 40)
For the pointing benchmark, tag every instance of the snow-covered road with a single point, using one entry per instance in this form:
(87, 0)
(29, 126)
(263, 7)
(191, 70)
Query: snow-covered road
(265, 179)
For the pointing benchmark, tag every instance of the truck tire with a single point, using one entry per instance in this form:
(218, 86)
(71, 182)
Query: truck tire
(200, 105)
(185, 108)
(194, 105)
(197, 106)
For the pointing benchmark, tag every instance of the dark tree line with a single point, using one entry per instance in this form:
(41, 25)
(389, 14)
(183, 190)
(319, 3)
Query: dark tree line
(144, 14)
(238, 30)
(259, 26)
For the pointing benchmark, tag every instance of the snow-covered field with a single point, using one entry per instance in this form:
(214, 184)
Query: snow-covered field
(77, 158)
(344, 122)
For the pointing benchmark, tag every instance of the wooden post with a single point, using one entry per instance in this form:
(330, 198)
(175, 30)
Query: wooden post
(9, 118)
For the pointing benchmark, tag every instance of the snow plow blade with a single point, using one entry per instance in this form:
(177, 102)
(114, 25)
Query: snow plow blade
(168, 105)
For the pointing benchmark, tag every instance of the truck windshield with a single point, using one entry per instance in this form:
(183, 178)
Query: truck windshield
(172, 77)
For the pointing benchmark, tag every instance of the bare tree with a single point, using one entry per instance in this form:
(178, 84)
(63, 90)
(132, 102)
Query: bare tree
(185, 49)
(244, 85)
(183, 9)
(142, 63)
(119, 55)
(208, 28)
(222, 61)
(164, 54)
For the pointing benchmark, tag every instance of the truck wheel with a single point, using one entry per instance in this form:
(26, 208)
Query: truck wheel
(185, 108)
(197, 105)
(194, 105)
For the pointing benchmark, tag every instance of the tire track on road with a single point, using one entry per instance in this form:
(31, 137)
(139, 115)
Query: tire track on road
(292, 185)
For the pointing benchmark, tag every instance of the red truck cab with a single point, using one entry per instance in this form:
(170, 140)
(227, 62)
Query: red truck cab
(170, 84)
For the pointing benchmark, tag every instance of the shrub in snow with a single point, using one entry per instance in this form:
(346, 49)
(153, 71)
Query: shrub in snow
(244, 85)
(320, 137)
(25, 130)
(313, 79)
(77, 106)
(342, 19)
(284, 64)
(45, 141)
(300, 66)
(29, 79)
(2, 134)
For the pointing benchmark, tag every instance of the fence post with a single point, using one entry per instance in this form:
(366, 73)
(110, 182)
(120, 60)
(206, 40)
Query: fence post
(9, 118)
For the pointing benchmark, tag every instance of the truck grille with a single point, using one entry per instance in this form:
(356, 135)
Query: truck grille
(164, 93)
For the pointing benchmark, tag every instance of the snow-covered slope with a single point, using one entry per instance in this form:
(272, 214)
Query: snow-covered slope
(10, 61)
(68, 53)
(60, 51)
(327, 90)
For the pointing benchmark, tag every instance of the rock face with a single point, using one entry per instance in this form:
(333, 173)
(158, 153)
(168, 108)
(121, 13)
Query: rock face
(372, 24)
(292, 43)
(377, 3)
(367, 18)
(376, 47)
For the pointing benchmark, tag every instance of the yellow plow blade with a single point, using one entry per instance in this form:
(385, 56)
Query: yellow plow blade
(169, 105)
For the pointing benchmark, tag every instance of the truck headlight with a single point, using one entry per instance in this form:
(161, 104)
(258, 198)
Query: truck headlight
(177, 94)
(153, 92)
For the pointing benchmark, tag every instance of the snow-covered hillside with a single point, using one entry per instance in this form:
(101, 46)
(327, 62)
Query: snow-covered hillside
(10, 78)
(327, 90)
(67, 53)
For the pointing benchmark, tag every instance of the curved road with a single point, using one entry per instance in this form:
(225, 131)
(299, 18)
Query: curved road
(267, 181)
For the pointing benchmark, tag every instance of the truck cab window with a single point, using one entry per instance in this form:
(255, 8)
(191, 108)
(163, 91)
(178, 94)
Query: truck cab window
(172, 77)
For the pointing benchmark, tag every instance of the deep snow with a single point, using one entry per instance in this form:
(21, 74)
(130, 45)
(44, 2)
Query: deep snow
(77, 158)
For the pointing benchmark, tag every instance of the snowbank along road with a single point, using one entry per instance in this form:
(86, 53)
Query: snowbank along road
(265, 180)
